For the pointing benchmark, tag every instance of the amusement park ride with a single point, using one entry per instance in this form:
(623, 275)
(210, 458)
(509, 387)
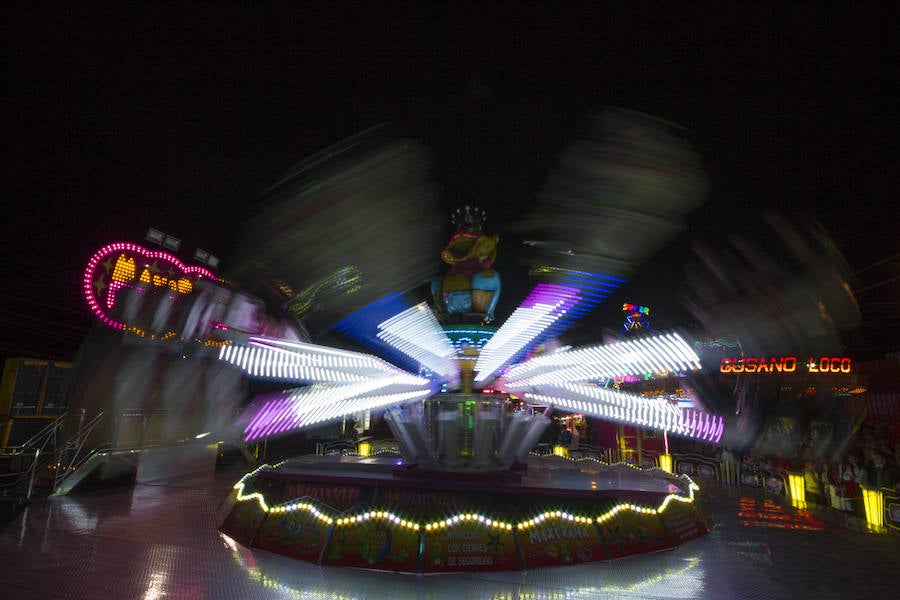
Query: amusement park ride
(467, 401)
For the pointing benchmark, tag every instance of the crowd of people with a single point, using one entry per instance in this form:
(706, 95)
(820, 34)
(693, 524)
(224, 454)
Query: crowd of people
(870, 462)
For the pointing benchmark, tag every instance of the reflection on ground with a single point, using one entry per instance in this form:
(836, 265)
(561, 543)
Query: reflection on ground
(161, 541)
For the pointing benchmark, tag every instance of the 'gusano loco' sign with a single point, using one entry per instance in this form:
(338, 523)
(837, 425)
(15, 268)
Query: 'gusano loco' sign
(785, 364)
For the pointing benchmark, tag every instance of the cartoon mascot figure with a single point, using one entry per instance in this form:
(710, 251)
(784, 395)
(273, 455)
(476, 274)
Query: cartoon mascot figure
(470, 284)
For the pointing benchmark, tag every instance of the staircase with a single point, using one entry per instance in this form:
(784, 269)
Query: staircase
(28, 468)
(49, 465)
(43, 463)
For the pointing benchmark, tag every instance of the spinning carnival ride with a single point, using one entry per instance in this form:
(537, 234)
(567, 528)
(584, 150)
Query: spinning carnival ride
(466, 401)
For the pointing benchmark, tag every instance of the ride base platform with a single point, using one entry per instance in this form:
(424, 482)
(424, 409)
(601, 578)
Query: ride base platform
(379, 513)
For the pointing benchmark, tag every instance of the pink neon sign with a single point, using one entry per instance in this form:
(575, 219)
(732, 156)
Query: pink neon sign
(124, 265)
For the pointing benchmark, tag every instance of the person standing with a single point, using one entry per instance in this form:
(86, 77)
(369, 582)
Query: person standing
(853, 476)
(880, 474)
(566, 438)
(576, 437)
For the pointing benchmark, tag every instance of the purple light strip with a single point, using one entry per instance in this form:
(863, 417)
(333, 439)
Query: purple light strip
(538, 312)
(283, 412)
(703, 425)
(551, 293)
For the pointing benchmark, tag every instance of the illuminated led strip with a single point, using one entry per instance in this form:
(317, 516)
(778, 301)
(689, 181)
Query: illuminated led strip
(302, 506)
(580, 292)
(617, 406)
(274, 364)
(327, 356)
(593, 289)
(703, 425)
(656, 413)
(378, 514)
(556, 514)
(468, 517)
(546, 304)
(362, 375)
(276, 416)
(660, 354)
(362, 326)
(646, 510)
(325, 409)
(240, 485)
(297, 361)
(417, 333)
(108, 251)
(285, 412)
(344, 383)
(475, 337)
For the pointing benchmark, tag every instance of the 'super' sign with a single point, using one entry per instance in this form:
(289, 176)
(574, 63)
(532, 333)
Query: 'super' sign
(785, 364)
(636, 308)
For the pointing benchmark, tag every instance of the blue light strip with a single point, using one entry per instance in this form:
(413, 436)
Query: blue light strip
(362, 326)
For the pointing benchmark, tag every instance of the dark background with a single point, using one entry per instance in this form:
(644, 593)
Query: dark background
(177, 117)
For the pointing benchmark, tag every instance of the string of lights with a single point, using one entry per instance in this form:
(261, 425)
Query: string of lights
(330, 517)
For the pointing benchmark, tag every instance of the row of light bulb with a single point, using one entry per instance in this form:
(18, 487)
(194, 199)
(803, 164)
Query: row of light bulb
(468, 517)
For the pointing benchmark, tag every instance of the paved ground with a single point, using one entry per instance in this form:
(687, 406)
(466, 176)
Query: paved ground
(160, 541)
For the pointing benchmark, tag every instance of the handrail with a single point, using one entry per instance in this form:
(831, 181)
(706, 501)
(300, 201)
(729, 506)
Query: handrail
(68, 457)
(100, 451)
(75, 465)
(24, 480)
(20, 479)
(142, 412)
(39, 439)
(35, 446)
(77, 443)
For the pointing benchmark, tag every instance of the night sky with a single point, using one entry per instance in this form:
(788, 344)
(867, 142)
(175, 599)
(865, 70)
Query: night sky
(178, 117)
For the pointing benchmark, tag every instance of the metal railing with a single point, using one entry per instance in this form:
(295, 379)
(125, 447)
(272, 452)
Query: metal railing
(20, 465)
(350, 447)
(72, 455)
(48, 435)
(59, 460)
(697, 466)
(18, 472)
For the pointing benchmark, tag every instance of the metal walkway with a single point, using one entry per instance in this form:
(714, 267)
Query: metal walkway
(160, 541)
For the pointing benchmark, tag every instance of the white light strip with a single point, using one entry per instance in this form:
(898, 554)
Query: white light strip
(522, 327)
(290, 411)
(655, 355)
(294, 414)
(417, 333)
(266, 362)
(323, 355)
(307, 362)
(655, 413)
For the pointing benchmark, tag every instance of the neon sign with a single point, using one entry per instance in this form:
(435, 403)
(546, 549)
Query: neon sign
(785, 364)
(637, 318)
(123, 265)
(636, 308)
